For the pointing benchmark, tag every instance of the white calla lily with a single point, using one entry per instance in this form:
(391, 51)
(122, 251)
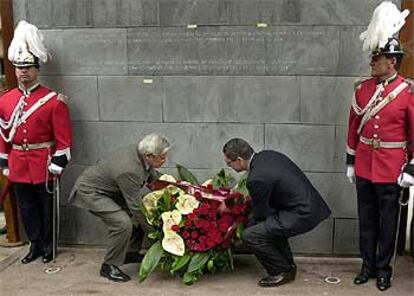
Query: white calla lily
(167, 178)
(150, 200)
(207, 182)
(173, 243)
(169, 219)
(186, 204)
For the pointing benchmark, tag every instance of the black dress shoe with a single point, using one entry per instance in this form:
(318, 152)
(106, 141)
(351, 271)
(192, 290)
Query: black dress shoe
(383, 283)
(3, 230)
(46, 258)
(362, 277)
(133, 257)
(32, 256)
(113, 273)
(279, 279)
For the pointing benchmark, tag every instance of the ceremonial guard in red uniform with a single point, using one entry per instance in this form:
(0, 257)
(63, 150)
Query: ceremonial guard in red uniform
(36, 137)
(381, 124)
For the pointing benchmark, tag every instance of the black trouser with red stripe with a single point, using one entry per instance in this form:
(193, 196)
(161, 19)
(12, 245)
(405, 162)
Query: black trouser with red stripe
(378, 214)
(36, 208)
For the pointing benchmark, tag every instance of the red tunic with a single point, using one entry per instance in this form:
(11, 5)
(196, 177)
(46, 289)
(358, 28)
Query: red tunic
(391, 124)
(50, 122)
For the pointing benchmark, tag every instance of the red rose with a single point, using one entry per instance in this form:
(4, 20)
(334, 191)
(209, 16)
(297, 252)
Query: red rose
(186, 234)
(175, 228)
(194, 234)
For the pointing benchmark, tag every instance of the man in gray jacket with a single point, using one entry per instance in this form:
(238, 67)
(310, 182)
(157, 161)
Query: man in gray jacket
(111, 190)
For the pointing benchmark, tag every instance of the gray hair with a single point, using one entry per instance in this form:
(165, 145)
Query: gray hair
(154, 144)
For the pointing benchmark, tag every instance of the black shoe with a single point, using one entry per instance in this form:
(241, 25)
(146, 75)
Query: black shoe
(279, 279)
(363, 277)
(46, 258)
(31, 256)
(113, 273)
(133, 257)
(383, 283)
(3, 230)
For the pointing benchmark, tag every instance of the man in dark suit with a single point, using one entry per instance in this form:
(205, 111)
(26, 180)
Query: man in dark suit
(284, 204)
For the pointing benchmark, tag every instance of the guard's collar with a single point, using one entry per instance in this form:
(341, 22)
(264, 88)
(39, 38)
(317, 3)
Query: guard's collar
(388, 80)
(29, 90)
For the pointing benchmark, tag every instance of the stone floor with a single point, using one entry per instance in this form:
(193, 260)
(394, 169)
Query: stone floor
(78, 275)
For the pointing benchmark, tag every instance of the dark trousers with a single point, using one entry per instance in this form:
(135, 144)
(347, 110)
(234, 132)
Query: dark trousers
(36, 208)
(378, 214)
(272, 251)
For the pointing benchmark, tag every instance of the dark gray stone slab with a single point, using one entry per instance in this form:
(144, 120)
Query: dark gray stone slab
(293, 140)
(70, 175)
(237, 51)
(170, 51)
(184, 12)
(87, 137)
(326, 99)
(125, 13)
(53, 40)
(72, 13)
(346, 237)
(19, 11)
(317, 241)
(198, 99)
(39, 13)
(81, 227)
(341, 133)
(342, 196)
(210, 138)
(82, 92)
(338, 12)
(301, 50)
(337, 192)
(124, 98)
(181, 137)
(97, 51)
(268, 99)
(352, 60)
(246, 12)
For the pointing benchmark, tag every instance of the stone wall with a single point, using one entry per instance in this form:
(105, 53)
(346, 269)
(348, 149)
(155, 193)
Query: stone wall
(132, 67)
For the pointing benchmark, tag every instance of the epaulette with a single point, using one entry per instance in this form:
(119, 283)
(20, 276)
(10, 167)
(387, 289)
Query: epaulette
(411, 83)
(358, 82)
(62, 97)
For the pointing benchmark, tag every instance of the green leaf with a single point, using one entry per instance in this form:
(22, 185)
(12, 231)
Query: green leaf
(197, 261)
(222, 179)
(156, 235)
(230, 254)
(167, 201)
(186, 175)
(242, 185)
(239, 230)
(180, 262)
(150, 261)
(190, 278)
(210, 266)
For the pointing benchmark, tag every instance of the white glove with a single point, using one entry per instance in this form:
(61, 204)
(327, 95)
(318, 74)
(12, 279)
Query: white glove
(55, 169)
(5, 172)
(405, 180)
(350, 173)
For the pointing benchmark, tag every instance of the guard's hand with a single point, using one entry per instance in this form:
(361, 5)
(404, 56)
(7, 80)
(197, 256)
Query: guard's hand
(55, 169)
(405, 180)
(350, 174)
(5, 172)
